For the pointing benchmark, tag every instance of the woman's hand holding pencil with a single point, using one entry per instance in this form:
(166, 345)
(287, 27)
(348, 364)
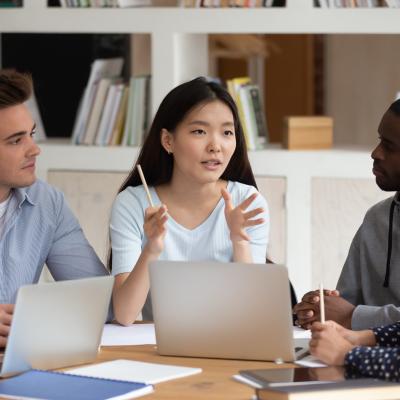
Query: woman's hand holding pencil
(155, 229)
(154, 221)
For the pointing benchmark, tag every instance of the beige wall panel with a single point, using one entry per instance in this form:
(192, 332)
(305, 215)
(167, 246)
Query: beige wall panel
(274, 190)
(338, 209)
(90, 196)
(362, 78)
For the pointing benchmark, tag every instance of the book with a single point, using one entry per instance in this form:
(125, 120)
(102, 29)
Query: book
(134, 3)
(38, 384)
(248, 118)
(259, 114)
(97, 109)
(101, 68)
(108, 114)
(233, 88)
(128, 370)
(129, 111)
(356, 389)
(118, 129)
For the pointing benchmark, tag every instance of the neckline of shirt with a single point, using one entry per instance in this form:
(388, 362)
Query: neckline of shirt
(205, 223)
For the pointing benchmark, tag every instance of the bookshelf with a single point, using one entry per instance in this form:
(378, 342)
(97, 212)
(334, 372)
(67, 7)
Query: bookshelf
(179, 52)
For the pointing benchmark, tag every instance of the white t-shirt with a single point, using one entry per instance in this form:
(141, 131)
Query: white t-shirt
(210, 241)
(3, 210)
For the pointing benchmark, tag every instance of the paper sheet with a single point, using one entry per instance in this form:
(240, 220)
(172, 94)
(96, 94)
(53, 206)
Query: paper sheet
(136, 334)
(135, 371)
(310, 361)
(300, 333)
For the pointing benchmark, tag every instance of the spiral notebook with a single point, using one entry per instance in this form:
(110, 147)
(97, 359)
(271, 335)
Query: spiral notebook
(38, 384)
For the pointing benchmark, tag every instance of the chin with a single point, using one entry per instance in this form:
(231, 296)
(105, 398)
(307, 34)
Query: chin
(387, 185)
(25, 182)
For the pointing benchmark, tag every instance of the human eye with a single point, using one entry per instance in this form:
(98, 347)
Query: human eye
(15, 141)
(387, 145)
(228, 132)
(198, 132)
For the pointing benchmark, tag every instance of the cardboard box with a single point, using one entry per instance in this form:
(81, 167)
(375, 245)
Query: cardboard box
(308, 133)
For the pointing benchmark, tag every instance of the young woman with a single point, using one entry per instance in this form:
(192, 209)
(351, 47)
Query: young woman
(371, 353)
(206, 206)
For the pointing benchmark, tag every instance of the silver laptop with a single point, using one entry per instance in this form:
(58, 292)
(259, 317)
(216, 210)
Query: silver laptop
(223, 310)
(57, 324)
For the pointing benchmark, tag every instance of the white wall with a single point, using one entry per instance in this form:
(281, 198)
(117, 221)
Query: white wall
(362, 75)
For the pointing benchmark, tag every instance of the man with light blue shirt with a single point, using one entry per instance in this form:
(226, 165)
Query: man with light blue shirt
(36, 225)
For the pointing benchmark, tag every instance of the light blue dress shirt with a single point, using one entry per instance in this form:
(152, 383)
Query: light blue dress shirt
(41, 229)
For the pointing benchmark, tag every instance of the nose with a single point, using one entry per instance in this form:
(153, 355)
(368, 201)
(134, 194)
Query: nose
(214, 146)
(33, 149)
(377, 153)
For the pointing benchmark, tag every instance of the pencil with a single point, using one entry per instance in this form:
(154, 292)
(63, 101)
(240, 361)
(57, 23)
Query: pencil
(139, 168)
(321, 303)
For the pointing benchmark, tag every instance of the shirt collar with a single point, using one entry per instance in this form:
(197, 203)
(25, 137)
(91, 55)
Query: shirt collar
(21, 194)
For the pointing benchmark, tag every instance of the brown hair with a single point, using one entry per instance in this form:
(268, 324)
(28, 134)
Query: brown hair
(15, 88)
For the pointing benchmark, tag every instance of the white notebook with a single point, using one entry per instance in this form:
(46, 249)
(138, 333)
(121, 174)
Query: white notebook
(135, 371)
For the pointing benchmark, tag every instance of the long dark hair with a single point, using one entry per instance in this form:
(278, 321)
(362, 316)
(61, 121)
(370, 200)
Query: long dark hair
(157, 164)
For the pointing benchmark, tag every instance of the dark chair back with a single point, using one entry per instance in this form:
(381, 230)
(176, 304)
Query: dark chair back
(293, 296)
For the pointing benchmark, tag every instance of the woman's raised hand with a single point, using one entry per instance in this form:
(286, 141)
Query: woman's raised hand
(155, 229)
(238, 219)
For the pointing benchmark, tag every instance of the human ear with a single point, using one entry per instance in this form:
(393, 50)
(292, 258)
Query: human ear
(167, 140)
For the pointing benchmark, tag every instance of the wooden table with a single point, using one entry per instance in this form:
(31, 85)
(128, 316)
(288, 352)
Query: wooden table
(215, 382)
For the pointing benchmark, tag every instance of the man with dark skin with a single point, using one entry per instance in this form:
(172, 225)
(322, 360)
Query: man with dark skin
(367, 294)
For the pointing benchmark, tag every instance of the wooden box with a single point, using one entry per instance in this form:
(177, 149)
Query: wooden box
(309, 132)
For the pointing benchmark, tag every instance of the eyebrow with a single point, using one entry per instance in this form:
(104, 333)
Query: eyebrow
(203, 123)
(20, 133)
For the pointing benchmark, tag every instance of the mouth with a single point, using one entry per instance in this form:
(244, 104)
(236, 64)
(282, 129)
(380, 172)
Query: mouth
(31, 165)
(211, 164)
(377, 171)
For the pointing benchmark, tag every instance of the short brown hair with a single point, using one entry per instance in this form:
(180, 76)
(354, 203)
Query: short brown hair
(15, 88)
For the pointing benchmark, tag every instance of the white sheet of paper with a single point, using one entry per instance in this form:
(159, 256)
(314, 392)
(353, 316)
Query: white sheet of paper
(300, 333)
(135, 371)
(310, 361)
(136, 334)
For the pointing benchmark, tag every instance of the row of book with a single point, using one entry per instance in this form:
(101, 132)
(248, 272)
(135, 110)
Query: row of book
(355, 3)
(178, 3)
(232, 3)
(104, 3)
(112, 113)
(251, 111)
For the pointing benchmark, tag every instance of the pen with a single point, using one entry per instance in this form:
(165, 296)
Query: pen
(321, 303)
(139, 168)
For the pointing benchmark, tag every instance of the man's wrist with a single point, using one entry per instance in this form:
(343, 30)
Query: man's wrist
(347, 321)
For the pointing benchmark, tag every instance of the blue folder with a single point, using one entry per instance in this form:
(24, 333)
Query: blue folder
(58, 386)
